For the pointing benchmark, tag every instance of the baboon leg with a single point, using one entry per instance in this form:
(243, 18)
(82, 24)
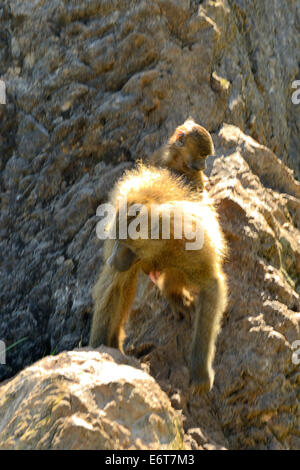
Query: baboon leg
(113, 296)
(209, 309)
(126, 291)
(172, 285)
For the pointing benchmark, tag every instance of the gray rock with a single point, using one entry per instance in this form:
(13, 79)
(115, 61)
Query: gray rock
(31, 138)
(92, 87)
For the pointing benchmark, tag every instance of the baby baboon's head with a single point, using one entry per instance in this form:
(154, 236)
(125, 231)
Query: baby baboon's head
(189, 147)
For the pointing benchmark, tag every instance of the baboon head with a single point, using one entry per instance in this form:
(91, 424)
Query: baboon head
(189, 147)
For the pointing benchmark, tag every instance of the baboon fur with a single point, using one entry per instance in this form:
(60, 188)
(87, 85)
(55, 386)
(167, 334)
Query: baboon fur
(186, 152)
(189, 279)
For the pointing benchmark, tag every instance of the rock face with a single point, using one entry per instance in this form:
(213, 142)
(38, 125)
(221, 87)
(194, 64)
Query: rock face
(255, 399)
(93, 86)
(86, 400)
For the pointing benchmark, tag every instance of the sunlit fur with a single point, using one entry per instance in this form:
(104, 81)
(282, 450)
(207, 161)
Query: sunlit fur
(189, 279)
(189, 145)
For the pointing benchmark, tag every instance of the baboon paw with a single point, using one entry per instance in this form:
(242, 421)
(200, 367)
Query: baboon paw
(181, 308)
(202, 382)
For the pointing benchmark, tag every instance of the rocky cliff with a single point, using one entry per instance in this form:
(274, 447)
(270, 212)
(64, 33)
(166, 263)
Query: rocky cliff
(92, 86)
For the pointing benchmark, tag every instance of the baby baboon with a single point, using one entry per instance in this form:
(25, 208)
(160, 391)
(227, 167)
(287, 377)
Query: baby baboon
(186, 152)
(190, 279)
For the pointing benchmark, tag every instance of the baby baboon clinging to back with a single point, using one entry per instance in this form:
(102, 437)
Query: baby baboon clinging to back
(188, 278)
(186, 152)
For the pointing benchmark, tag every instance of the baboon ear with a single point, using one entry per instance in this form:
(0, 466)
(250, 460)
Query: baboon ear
(180, 138)
(190, 118)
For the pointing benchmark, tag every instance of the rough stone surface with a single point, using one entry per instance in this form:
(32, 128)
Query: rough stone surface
(91, 87)
(255, 399)
(87, 400)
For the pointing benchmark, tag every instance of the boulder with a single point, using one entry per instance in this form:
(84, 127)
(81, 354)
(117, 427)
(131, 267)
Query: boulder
(87, 399)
